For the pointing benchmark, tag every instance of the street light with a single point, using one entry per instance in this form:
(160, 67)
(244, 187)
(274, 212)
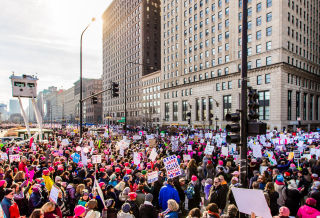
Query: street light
(216, 119)
(125, 93)
(93, 19)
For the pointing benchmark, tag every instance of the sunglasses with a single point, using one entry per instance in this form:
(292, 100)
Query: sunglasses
(216, 182)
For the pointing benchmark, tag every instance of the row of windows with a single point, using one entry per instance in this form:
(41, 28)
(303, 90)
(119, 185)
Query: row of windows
(174, 94)
(303, 82)
(154, 96)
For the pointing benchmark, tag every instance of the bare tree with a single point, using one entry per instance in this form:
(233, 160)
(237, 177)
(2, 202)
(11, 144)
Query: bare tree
(149, 115)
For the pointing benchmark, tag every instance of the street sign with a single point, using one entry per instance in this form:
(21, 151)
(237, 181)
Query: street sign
(120, 121)
(123, 118)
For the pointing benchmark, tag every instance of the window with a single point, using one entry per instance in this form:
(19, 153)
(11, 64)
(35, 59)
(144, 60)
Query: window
(311, 108)
(240, 16)
(175, 111)
(184, 110)
(197, 109)
(259, 7)
(227, 99)
(204, 109)
(258, 63)
(226, 71)
(269, 31)
(224, 86)
(259, 80)
(269, 17)
(289, 104)
(229, 84)
(249, 25)
(268, 79)
(297, 105)
(249, 65)
(264, 107)
(258, 50)
(259, 34)
(249, 51)
(268, 45)
(269, 3)
(305, 106)
(218, 87)
(259, 20)
(227, 11)
(268, 60)
(166, 109)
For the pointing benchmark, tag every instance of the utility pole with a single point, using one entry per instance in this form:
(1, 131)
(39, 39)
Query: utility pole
(244, 69)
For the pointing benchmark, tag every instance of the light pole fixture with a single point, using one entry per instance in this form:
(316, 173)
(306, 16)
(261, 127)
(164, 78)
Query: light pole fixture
(93, 19)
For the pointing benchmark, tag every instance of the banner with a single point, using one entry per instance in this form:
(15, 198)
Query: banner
(172, 166)
(152, 177)
(14, 157)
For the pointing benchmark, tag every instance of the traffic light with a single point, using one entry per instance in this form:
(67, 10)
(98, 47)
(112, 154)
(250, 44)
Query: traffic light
(233, 128)
(210, 118)
(115, 90)
(253, 104)
(189, 114)
(94, 99)
(189, 121)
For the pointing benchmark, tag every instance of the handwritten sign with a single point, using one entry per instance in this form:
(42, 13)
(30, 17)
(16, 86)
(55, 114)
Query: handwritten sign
(297, 154)
(186, 157)
(152, 142)
(152, 177)
(96, 159)
(15, 157)
(209, 149)
(76, 158)
(4, 156)
(136, 137)
(136, 158)
(172, 166)
(54, 193)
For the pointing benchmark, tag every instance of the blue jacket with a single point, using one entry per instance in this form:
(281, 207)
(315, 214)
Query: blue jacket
(282, 168)
(172, 214)
(166, 193)
(6, 204)
(35, 202)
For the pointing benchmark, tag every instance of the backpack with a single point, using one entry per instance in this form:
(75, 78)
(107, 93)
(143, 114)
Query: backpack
(190, 191)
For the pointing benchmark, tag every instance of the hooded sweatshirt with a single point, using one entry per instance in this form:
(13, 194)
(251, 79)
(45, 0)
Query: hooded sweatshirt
(307, 212)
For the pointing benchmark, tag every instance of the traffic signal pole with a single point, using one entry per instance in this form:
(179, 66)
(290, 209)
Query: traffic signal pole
(243, 147)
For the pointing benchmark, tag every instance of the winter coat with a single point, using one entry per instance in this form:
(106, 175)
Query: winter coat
(210, 173)
(316, 169)
(307, 212)
(200, 172)
(54, 214)
(192, 172)
(316, 196)
(168, 192)
(293, 201)
(9, 181)
(282, 168)
(140, 198)
(157, 186)
(125, 215)
(172, 214)
(147, 211)
(281, 189)
(10, 208)
(304, 182)
(134, 208)
(112, 213)
(274, 203)
(48, 181)
(207, 190)
(195, 202)
(1, 193)
(22, 166)
(35, 202)
(71, 194)
(218, 196)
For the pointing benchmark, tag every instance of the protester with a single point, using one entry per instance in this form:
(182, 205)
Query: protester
(147, 210)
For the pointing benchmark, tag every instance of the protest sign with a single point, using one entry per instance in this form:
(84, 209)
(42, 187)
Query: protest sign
(297, 154)
(15, 157)
(4, 156)
(136, 137)
(54, 193)
(225, 151)
(99, 191)
(96, 159)
(271, 157)
(172, 166)
(153, 154)
(256, 151)
(136, 158)
(186, 157)
(65, 141)
(195, 138)
(152, 142)
(232, 148)
(76, 158)
(258, 203)
(262, 169)
(152, 177)
(209, 149)
(291, 155)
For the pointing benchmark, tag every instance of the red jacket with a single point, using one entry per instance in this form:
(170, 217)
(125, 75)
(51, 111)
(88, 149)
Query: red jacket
(22, 167)
(14, 211)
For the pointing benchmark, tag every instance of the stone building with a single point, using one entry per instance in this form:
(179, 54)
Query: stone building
(92, 112)
(201, 61)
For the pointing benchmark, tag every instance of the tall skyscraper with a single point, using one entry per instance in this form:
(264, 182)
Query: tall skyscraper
(14, 106)
(201, 61)
(3, 112)
(131, 33)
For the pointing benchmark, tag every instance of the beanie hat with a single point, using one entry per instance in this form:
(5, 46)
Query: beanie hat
(125, 178)
(109, 202)
(78, 210)
(149, 197)
(109, 187)
(126, 191)
(8, 191)
(92, 204)
(102, 169)
(284, 211)
(311, 201)
(144, 172)
(132, 195)
(292, 165)
(2, 182)
(117, 170)
(220, 162)
(209, 162)
(128, 171)
(46, 172)
(126, 208)
(287, 174)
(194, 178)
(126, 164)
(51, 169)
(57, 179)
(280, 178)
(101, 184)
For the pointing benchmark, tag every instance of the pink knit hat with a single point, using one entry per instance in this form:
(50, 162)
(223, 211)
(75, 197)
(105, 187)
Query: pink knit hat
(2, 182)
(284, 211)
(51, 169)
(101, 184)
(194, 178)
(78, 210)
(220, 162)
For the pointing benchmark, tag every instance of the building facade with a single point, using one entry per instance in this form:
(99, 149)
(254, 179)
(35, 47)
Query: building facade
(93, 112)
(3, 112)
(151, 112)
(201, 61)
(69, 105)
(14, 106)
(131, 49)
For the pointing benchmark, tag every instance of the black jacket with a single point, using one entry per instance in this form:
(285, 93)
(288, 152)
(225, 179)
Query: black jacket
(293, 201)
(218, 196)
(147, 211)
(192, 171)
(316, 169)
(316, 196)
(134, 208)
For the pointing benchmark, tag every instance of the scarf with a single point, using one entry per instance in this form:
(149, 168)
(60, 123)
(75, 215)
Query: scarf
(213, 213)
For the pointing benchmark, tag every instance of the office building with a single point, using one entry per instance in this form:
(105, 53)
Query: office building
(14, 106)
(131, 33)
(92, 112)
(201, 61)
(3, 112)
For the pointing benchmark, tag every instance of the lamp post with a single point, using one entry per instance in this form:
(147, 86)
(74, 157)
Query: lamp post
(93, 19)
(216, 119)
(125, 93)
(108, 117)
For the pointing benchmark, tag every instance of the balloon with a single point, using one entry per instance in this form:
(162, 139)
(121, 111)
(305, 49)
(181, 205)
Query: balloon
(78, 148)
(85, 149)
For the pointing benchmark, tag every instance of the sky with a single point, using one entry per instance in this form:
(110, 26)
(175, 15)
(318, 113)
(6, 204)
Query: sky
(42, 37)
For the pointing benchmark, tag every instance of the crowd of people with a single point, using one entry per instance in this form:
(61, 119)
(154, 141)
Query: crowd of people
(117, 186)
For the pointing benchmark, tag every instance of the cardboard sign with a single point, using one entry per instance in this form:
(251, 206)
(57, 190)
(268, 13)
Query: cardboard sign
(54, 193)
(186, 157)
(172, 166)
(152, 177)
(96, 159)
(152, 142)
(195, 138)
(291, 155)
(153, 154)
(297, 154)
(15, 157)
(76, 158)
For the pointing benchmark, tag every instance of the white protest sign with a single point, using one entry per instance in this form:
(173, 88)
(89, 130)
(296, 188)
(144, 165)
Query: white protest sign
(262, 169)
(232, 148)
(152, 177)
(186, 157)
(224, 151)
(209, 149)
(153, 154)
(96, 159)
(172, 166)
(54, 193)
(14, 157)
(189, 147)
(256, 150)
(297, 154)
(136, 137)
(106, 135)
(91, 143)
(99, 191)
(65, 141)
(4, 156)
(271, 157)
(258, 203)
(136, 158)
